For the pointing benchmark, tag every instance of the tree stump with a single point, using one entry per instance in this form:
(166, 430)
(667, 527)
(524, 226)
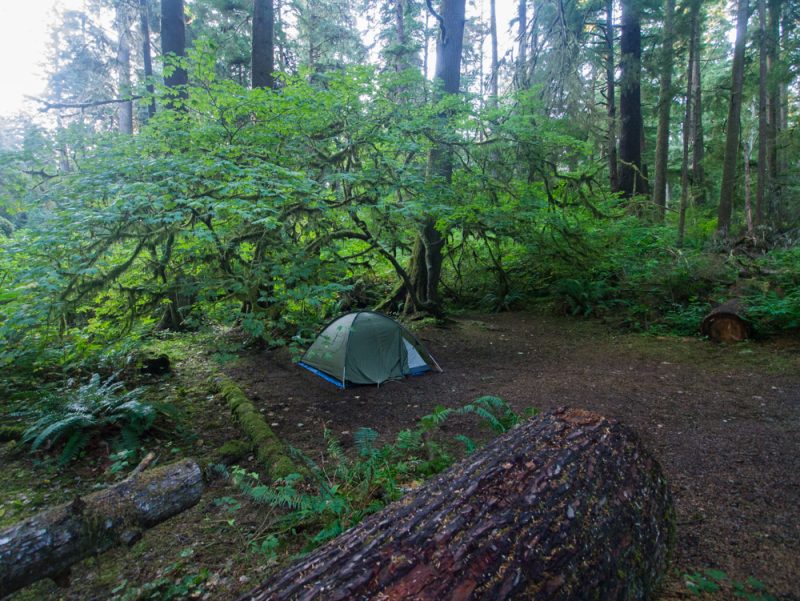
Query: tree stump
(46, 544)
(726, 323)
(567, 506)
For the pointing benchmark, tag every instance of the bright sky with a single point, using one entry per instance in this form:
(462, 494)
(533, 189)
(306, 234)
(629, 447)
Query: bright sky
(23, 48)
(24, 26)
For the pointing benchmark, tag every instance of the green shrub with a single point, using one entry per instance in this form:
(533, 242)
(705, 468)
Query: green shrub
(97, 409)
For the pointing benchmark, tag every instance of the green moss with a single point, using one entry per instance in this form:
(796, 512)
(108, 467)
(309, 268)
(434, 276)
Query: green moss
(269, 449)
(283, 467)
(8, 433)
(232, 451)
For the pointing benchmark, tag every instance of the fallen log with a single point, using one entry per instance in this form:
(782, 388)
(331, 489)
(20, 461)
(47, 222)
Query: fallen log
(47, 544)
(270, 451)
(567, 506)
(726, 323)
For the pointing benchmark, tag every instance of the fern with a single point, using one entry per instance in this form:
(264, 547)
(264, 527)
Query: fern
(435, 419)
(342, 489)
(365, 441)
(469, 444)
(497, 414)
(79, 415)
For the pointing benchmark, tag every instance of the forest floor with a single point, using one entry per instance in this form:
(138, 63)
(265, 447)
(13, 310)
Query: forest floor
(723, 421)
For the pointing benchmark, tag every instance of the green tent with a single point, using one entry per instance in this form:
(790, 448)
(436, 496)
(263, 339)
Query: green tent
(366, 348)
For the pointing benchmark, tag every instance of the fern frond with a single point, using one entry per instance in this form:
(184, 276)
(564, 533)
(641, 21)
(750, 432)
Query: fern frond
(75, 444)
(365, 441)
(468, 443)
(58, 429)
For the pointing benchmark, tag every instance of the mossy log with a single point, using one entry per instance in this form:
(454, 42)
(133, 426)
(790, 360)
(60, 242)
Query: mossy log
(47, 544)
(270, 451)
(567, 506)
(726, 323)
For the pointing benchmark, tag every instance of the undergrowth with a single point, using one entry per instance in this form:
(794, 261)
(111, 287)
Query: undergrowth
(342, 489)
(99, 409)
(714, 582)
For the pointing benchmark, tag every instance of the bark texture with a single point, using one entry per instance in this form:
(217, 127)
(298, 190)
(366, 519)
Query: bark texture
(47, 544)
(147, 59)
(611, 98)
(687, 122)
(729, 164)
(567, 506)
(262, 51)
(495, 61)
(632, 179)
(522, 53)
(664, 105)
(763, 171)
(173, 41)
(124, 109)
(697, 135)
(426, 261)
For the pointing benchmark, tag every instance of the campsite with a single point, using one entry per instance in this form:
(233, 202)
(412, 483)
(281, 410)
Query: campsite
(723, 425)
(400, 300)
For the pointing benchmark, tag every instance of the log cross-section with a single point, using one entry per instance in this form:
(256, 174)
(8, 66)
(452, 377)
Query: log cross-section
(567, 506)
(45, 545)
(726, 323)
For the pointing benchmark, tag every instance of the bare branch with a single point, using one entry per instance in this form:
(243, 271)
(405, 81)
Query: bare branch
(49, 106)
(437, 16)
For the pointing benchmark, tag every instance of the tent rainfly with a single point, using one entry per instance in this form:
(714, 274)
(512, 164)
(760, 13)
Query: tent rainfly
(365, 347)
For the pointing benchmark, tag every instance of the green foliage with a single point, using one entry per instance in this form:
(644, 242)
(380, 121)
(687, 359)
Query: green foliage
(714, 581)
(774, 304)
(342, 490)
(581, 297)
(496, 413)
(265, 212)
(97, 409)
(173, 583)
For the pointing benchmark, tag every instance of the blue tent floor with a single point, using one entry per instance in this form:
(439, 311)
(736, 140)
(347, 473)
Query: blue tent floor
(417, 371)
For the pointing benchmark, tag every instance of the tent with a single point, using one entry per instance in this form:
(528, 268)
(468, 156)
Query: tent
(365, 347)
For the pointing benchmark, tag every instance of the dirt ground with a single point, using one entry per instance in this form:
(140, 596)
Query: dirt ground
(724, 421)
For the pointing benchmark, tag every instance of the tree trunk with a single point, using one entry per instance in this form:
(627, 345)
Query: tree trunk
(279, 37)
(173, 44)
(698, 141)
(426, 50)
(147, 58)
(773, 110)
(611, 98)
(263, 53)
(495, 60)
(763, 170)
(124, 109)
(747, 148)
(567, 506)
(400, 59)
(631, 177)
(687, 123)
(47, 544)
(522, 54)
(426, 261)
(728, 184)
(664, 106)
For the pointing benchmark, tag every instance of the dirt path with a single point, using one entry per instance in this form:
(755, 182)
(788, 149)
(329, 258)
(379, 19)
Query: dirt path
(723, 421)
